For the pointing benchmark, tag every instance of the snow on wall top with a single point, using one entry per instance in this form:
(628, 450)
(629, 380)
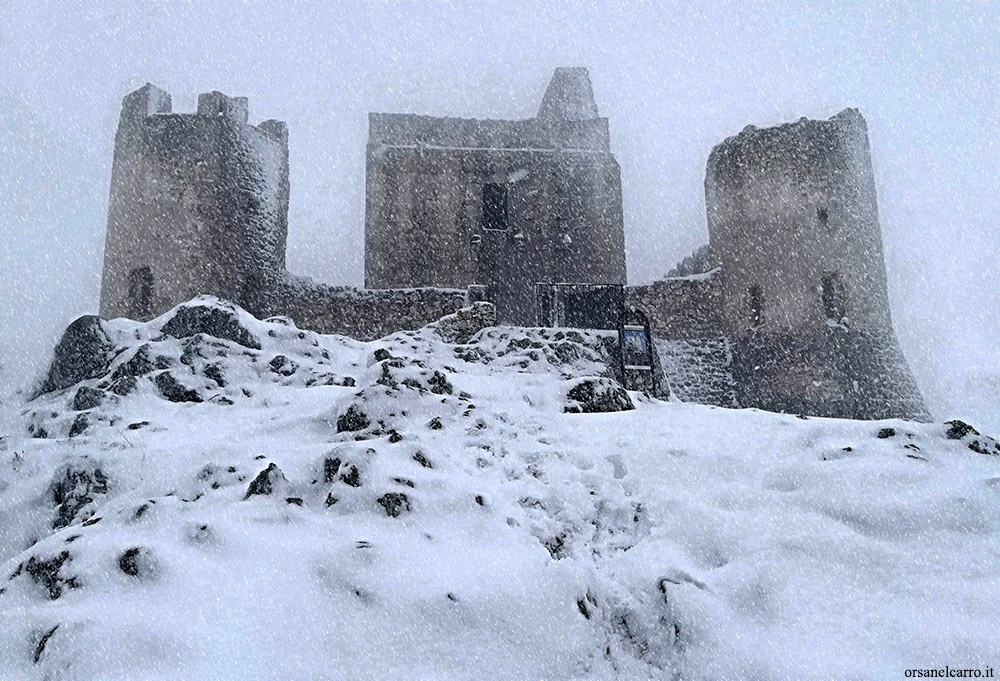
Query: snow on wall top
(568, 118)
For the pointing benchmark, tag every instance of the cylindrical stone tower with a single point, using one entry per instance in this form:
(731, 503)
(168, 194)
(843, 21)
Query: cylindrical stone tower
(793, 222)
(198, 205)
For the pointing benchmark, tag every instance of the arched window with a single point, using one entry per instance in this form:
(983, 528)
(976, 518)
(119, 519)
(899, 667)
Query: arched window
(755, 300)
(140, 293)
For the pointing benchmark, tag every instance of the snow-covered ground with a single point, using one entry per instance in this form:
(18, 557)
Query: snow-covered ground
(444, 518)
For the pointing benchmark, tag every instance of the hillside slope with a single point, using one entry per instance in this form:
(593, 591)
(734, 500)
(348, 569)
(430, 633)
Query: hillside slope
(226, 498)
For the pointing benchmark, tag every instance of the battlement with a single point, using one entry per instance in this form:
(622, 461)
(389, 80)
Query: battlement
(150, 102)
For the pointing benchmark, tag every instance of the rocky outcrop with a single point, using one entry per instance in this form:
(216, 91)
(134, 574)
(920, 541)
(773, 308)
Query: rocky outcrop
(83, 352)
(218, 320)
(74, 488)
(461, 326)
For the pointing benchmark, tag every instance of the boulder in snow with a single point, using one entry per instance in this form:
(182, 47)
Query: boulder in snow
(83, 352)
(459, 327)
(596, 395)
(269, 481)
(212, 319)
(87, 398)
(974, 440)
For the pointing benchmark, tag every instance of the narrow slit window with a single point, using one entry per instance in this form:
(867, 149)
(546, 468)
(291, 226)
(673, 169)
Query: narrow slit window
(140, 292)
(834, 304)
(756, 303)
(495, 206)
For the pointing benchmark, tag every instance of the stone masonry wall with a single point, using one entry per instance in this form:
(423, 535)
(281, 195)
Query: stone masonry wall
(425, 184)
(681, 308)
(365, 314)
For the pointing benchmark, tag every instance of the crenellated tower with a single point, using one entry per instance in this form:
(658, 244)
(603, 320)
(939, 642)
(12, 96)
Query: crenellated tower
(198, 205)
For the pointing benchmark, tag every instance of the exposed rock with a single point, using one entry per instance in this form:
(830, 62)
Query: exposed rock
(973, 439)
(267, 482)
(42, 642)
(45, 573)
(83, 352)
(139, 364)
(137, 562)
(211, 320)
(214, 372)
(352, 420)
(413, 373)
(394, 503)
(174, 391)
(459, 327)
(283, 366)
(596, 395)
(73, 487)
(379, 355)
(124, 386)
(80, 425)
(331, 467)
(959, 429)
(568, 352)
(87, 398)
(886, 433)
(351, 476)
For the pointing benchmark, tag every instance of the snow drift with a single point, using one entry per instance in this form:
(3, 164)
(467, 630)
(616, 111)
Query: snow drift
(207, 495)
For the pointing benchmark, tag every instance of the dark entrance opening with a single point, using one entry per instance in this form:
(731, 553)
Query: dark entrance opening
(140, 292)
(495, 206)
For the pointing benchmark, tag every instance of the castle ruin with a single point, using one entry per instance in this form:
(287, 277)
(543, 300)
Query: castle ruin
(499, 204)
(786, 309)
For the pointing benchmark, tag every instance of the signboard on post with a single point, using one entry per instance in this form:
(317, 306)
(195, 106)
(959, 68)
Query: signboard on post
(636, 344)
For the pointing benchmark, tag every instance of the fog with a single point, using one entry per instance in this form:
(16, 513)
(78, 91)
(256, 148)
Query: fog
(673, 81)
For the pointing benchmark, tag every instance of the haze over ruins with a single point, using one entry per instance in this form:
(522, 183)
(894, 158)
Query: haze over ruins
(785, 309)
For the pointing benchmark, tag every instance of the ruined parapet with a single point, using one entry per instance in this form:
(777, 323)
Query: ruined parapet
(569, 96)
(504, 204)
(681, 307)
(198, 205)
(793, 223)
(365, 314)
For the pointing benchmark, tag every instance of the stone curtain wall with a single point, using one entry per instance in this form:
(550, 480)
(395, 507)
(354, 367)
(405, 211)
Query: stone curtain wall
(699, 370)
(681, 308)
(365, 314)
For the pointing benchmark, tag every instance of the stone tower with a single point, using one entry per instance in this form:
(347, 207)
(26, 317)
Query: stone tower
(793, 223)
(504, 204)
(198, 205)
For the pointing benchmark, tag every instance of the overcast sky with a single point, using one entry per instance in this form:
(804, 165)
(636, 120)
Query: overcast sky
(674, 81)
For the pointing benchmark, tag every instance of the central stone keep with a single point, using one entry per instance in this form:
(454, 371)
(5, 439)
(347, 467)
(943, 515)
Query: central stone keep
(454, 202)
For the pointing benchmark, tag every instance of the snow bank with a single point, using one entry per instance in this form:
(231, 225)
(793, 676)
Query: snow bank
(414, 509)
